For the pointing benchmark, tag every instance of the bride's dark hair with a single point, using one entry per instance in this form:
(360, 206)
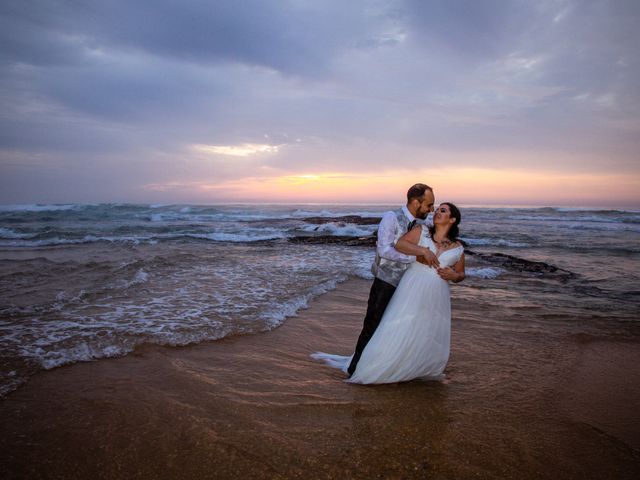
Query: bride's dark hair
(453, 232)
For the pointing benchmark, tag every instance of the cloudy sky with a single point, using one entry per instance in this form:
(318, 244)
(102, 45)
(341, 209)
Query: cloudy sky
(489, 101)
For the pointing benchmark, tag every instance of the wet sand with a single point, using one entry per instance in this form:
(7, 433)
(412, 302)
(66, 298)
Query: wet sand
(518, 404)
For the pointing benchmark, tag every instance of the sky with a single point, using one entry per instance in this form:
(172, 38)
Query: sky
(492, 102)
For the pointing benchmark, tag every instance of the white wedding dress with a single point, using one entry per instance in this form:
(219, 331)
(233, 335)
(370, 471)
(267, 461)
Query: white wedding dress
(413, 338)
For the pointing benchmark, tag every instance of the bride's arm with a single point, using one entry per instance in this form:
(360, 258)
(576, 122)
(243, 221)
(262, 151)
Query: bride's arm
(408, 244)
(453, 274)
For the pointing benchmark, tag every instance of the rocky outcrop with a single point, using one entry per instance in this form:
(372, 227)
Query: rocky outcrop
(517, 264)
(358, 220)
(369, 241)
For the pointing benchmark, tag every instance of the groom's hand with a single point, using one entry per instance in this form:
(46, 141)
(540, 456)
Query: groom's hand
(429, 258)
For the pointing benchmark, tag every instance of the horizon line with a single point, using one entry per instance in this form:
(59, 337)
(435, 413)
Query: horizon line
(631, 208)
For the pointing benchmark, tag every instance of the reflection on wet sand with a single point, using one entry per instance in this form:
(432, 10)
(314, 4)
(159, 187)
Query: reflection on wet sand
(518, 404)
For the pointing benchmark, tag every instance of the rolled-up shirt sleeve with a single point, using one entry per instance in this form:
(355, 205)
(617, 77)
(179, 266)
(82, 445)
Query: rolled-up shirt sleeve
(386, 240)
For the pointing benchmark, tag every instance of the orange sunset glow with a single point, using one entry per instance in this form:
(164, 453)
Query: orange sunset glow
(470, 186)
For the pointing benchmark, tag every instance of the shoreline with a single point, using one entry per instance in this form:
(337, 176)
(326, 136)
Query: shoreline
(256, 406)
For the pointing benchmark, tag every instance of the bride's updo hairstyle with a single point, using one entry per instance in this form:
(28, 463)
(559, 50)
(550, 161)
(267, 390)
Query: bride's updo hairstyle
(453, 232)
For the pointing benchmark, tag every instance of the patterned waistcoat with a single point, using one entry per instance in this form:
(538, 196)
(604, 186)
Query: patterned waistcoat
(388, 270)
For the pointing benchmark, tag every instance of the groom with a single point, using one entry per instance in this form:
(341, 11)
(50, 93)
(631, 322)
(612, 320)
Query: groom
(390, 265)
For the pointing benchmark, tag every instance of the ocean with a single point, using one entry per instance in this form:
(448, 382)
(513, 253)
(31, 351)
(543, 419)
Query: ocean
(83, 282)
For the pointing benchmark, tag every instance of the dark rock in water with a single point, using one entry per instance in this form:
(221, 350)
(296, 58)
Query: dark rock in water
(357, 219)
(508, 262)
(518, 264)
(369, 241)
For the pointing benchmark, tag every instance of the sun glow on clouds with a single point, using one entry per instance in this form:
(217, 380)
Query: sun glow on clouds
(459, 185)
(243, 150)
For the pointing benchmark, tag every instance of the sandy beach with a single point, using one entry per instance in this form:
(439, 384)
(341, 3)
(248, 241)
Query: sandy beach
(517, 404)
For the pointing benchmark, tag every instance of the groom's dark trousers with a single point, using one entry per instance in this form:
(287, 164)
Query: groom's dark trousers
(379, 297)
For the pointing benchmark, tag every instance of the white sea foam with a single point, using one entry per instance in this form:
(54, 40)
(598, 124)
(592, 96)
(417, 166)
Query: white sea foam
(275, 316)
(187, 214)
(484, 272)
(11, 383)
(363, 269)
(239, 237)
(63, 300)
(333, 213)
(496, 242)
(39, 207)
(73, 241)
(568, 218)
(82, 352)
(89, 349)
(605, 227)
(140, 277)
(252, 236)
(342, 229)
(308, 213)
(9, 233)
(596, 210)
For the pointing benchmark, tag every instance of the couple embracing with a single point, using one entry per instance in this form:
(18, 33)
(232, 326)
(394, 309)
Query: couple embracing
(407, 327)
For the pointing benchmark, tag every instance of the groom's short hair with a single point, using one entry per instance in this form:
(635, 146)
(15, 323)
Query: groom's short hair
(417, 191)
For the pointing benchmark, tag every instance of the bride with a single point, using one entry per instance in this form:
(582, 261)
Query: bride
(413, 338)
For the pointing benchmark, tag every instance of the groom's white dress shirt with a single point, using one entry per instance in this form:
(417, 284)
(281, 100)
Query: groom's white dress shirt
(387, 237)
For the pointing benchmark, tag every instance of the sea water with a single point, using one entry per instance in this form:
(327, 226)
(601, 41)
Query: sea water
(84, 282)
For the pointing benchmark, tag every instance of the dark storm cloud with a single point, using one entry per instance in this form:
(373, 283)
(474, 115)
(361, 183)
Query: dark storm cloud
(134, 61)
(295, 37)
